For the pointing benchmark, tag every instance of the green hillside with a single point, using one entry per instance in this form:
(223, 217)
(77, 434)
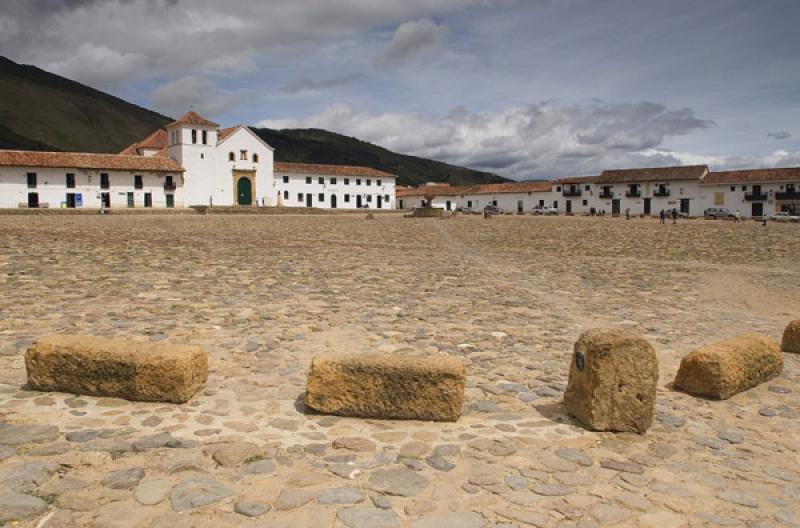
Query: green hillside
(42, 111)
(320, 146)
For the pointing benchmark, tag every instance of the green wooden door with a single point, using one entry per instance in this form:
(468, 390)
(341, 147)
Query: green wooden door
(308, 199)
(244, 192)
(170, 201)
(333, 201)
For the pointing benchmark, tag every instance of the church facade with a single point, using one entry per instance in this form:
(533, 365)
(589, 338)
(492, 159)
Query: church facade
(190, 162)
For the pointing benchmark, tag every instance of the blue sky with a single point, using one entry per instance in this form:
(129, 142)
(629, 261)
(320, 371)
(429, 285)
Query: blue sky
(526, 89)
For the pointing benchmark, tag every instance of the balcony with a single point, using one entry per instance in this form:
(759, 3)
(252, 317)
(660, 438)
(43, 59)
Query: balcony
(169, 186)
(633, 193)
(606, 195)
(755, 197)
(787, 195)
(661, 193)
(571, 192)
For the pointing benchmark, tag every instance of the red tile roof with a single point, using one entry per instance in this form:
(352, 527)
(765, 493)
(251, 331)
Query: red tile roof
(334, 170)
(754, 175)
(156, 141)
(579, 179)
(82, 160)
(193, 118)
(489, 188)
(685, 172)
(439, 189)
(225, 132)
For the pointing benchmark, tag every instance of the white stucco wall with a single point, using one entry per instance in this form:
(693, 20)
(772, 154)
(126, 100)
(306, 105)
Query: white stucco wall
(52, 187)
(346, 189)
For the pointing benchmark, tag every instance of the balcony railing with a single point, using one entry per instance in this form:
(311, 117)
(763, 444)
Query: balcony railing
(605, 195)
(571, 192)
(169, 186)
(661, 192)
(633, 194)
(787, 195)
(755, 197)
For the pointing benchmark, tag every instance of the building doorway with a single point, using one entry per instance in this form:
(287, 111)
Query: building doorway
(615, 207)
(70, 200)
(520, 207)
(380, 202)
(148, 199)
(685, 206)
(757, 209)
(170, 201)
(358, 202)
(647, 206)
(33, 200)
(244, 191)
(333, 201)
(105, 200)
(308, 200)
(569, 206)
(130, 199)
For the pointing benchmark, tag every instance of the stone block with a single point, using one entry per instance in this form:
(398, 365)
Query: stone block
(384, 386)
(791, 337)
(128, 369)
(728, 367)
(612, 381)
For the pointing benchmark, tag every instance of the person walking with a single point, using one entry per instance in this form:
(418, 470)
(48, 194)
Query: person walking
(628, 213)
(674, 215)
(663, 216)
(737, 217)
(764, 223)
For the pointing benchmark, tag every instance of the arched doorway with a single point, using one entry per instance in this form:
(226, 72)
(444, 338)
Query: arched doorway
(244, 191)
(333, 201)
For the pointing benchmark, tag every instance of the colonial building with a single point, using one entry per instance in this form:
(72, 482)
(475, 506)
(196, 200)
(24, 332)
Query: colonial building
(689, 189)
(190, 162)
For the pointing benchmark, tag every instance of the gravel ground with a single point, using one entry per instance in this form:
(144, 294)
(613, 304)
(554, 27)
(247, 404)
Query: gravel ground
(510, 295)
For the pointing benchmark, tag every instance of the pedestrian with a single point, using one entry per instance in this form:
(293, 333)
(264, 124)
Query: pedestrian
(737, 217)
(765, 220)
(628, 213)
(674, 215)
(663, 216)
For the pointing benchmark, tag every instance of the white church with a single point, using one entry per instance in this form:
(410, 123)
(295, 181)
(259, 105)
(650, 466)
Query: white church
(190, 162)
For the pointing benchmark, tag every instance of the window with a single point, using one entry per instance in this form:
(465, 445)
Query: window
(70, 180)
(137, 182)
(744, 187)
(333, 181)
(585, 203)
(169, 184)
(31, 177)
(321, 181)
(320, 197)
(299, 197)
(255, 158)
(377, 182)
(285, 195)
(558, 189)
(494, 203)
(205, 137)
(386, 197)
(555, 204)
(308, 179)
(285, 179)
(231, 156)
(347, 198)
(541, 203)
(347, 181)
(733, 188)
(358, 181)
(587, 188)
(369, 198)
(243, 155)
(194, 136)
(369, 182)
(104, 183)
(469, 204)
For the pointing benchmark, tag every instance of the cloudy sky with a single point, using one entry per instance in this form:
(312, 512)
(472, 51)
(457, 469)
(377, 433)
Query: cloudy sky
(523, 88)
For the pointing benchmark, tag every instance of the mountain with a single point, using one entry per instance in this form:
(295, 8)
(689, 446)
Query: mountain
(42, 111)
(313, 145)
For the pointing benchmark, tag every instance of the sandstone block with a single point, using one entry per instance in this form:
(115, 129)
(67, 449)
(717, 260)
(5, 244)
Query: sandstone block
(723, 369)
(383, 386)
(791, 337)
(612, 381)
(132, 370)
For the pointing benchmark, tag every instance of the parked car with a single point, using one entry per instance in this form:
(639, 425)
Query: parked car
(713, 213)
(544, 210)
(493, 209)
(784, 217)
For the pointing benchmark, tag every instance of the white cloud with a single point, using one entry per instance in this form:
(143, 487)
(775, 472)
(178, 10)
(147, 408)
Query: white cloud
(99, 65)
(193, 92)
(412, 41)
(307, 84)
(530, 141)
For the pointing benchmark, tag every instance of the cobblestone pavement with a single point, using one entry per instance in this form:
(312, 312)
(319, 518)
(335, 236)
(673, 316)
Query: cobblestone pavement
(509, 295)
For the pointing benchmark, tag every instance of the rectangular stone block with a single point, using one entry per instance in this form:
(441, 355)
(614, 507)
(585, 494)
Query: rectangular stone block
(612, 383)
(384, 386)
(128, 369)
(723, 369)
